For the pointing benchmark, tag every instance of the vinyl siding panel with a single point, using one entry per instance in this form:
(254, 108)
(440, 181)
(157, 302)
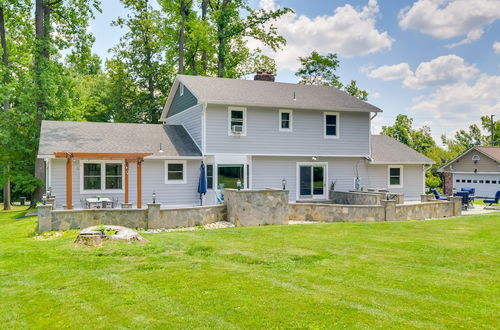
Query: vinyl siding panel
(267, 172)
(263, 136)
(181, 103)
(153, 180)
(191, 119)
(466, 164)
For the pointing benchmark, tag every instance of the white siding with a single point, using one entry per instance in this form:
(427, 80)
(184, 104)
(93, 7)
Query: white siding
(264, 138)
(153, 179)
(267, 172)
(191, 119)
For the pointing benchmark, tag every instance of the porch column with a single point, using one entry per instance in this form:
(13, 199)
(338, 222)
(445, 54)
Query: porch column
(126, 181)
(139, 183)
(69, 182)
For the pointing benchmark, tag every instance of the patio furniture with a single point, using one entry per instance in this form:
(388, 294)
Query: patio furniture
(472, 192)
(438, 196)
(220, 198)
(99, 203)
(465, 199)
(494, 200)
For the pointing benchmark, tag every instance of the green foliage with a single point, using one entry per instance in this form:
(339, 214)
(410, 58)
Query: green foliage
(317, 69)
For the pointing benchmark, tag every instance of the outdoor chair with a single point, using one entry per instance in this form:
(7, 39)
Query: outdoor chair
(438, 196)
(220, 198)
(83, 203)
(494, 200)
(472, 192)
(465, 199)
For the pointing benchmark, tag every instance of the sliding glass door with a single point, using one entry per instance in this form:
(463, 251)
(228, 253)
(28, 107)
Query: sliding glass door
(312, 181)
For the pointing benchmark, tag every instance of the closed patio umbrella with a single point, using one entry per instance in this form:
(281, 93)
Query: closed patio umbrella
(202, 183)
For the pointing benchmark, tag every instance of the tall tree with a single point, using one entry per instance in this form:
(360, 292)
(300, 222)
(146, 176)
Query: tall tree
(143, 50)
(6, 103)
(317, 69)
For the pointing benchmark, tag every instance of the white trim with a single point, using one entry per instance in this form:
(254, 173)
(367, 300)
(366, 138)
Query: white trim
(171, 157)
(472, 173)
(103, 189)
(290, 121)
(291, 155)
(400, 185)
(181, 89)
(297, 179)
(337, 125)
(184, 172)
(397, 163)
(294, 106)
(244, 110)
(171, 96)
(441, 169)
(48, 174)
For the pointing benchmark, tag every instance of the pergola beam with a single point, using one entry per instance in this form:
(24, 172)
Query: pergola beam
(105, 155)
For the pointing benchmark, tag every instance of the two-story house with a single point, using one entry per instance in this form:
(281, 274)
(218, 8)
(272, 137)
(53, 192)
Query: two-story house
(259, 133)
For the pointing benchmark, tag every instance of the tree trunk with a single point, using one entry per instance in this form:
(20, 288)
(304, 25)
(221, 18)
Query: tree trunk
(6, 103)
(181, 36)
(41, 59)
(204, 6)
(221, 38)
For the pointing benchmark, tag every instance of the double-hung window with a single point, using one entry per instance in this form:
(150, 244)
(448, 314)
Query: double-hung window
(210, 176)
(331, 125)
(101, 176)
(175, 172)
(237, 121)
(395, 176)
(285, 120)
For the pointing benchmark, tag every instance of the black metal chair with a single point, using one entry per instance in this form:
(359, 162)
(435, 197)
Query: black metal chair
(465, 199)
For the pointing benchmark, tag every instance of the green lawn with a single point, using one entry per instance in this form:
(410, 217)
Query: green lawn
(427, 274)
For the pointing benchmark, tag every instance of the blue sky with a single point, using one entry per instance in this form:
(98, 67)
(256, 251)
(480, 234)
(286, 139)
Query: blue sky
(434, 60)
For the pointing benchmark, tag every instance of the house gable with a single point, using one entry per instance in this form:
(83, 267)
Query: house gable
(465, 163)
(181, 102)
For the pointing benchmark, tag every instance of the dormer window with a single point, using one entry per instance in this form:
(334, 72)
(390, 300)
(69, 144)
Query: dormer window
(237, 121)
(285, 120)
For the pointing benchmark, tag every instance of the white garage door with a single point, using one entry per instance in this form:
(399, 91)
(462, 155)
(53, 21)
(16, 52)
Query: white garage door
(486, 184)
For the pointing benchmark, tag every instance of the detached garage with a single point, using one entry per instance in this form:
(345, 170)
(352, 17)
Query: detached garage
(478, 167)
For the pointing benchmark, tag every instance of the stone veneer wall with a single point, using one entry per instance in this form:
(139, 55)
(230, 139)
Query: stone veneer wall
(256, 207)
(188, 217)
(335, 212)
(362, 198)
(428, 210)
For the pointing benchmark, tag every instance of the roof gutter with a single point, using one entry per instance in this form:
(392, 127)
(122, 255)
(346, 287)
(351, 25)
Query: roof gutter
(375, 115)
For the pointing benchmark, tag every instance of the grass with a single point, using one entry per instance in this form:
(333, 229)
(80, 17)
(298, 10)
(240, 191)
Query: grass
(426, 274)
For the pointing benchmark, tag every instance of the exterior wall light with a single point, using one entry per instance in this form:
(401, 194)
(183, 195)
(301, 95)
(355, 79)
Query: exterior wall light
(314, 158)
(154, 197)
(238, 184)
(283, 183)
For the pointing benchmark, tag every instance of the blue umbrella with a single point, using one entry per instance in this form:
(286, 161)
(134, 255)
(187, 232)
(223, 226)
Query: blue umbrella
(202, 183)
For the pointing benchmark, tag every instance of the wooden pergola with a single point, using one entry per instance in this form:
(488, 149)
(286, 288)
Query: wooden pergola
(128, 157)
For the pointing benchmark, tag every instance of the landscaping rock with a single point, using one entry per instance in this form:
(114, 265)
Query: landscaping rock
(92, 237)
(213, 225)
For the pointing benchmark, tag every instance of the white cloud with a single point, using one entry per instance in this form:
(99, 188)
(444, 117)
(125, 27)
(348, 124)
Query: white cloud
(348, 31)
(447, 19)
(391, 72)
(442, 70)
(496, 47)
(459, 104)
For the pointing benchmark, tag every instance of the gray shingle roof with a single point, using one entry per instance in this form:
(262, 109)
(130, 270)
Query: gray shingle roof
(70, 136)
(272, 94)
(388, 150)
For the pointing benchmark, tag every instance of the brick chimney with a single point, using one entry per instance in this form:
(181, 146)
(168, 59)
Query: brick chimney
(264, 76)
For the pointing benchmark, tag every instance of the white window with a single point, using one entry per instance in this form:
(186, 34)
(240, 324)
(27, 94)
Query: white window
(331, 125)
(237, 121)
(395, 176)
(181, 89)
(285, 120)
(175, 172)
(101, 176)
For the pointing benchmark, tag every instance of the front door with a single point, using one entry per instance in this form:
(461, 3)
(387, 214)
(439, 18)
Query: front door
(312, 180)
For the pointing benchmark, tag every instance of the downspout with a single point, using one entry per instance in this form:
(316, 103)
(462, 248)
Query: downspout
(426, 168)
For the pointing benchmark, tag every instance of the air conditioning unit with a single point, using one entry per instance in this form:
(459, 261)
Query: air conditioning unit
(237, 129)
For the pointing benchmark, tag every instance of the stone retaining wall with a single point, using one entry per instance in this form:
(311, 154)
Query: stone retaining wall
(188, 217)
(362, 198)
(256, 207)
(334, 212)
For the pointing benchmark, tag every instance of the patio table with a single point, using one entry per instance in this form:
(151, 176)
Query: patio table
(95, 203)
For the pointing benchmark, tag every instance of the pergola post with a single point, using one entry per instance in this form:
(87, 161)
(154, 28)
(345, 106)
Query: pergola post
(126, 181)
(139, 183)
(69, 182)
